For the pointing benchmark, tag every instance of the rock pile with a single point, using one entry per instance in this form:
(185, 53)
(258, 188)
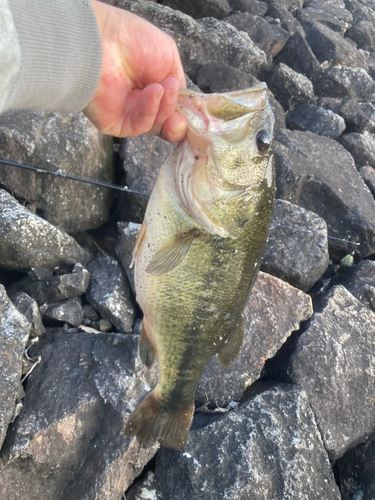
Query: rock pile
(293, 417)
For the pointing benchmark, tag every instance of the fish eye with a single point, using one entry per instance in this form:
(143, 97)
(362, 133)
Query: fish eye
(263, 140)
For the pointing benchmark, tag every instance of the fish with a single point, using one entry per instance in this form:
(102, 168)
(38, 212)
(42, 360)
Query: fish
(198, 252)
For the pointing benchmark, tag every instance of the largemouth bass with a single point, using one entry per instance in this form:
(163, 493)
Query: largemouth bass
(199, 250)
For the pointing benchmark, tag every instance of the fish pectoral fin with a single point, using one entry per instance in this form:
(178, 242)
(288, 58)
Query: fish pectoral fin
(172, 255)
(146, 350)
(228, 353)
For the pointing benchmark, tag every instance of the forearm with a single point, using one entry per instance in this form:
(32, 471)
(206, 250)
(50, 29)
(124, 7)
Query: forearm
(56, 55)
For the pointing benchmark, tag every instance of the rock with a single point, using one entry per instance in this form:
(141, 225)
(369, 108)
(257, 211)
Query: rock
(57, 288)
(253, 6)
(356, 472)
(274, 310)
(332, 361)
(291, 5)
(90, 313)
(146, 489)
(360, 282)
(336, 8)
(328, 45)
(261, 450)
(269, 37)
(109, 293)
(358, 116)
(69, 143)
(198, 41)
(308, 117)
(197, 9)
(124, 249)
(69, 311)
(14, 333)
(360, 11)
(27, 240)
(368, 175)
(70, 430)
(298, 55)
(280, 13)
(361, 147)
(371, 64)
(105, 325)
(346, 83)
(29, 308)
(363, 33)
(290, 88)
(297, 246)
(318, 174)
(309, 15)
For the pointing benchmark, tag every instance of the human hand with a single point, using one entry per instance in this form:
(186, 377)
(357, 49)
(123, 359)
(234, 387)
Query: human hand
(140, 79)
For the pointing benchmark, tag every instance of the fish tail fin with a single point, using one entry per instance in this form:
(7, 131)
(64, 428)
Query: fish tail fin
(152, 422)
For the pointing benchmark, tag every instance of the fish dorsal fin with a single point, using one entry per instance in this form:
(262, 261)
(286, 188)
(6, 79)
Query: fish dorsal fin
(171, 255)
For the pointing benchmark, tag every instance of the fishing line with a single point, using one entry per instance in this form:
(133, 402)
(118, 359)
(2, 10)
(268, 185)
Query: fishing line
(316, 232)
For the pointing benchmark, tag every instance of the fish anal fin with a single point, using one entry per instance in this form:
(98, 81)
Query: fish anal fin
(229, 351)
(172, 255)
(138, 241)
(147, 351)
(154, 422)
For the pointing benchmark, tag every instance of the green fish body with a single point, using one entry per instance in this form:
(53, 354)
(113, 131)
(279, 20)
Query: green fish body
(199, 250)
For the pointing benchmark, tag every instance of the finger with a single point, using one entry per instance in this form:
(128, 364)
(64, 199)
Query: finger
(174, 128)
(168, 104)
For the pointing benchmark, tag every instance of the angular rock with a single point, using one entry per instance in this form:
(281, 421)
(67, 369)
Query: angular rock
(253, 6)
(360, 11)
(358, 116)
(70, 430)
(198, 41)
(146, 489)
(274, 310)
(297, 246)
(68, 143)
(363, 33)
(27, 240)
(336, 8)
(356, 472)
(291, 5)
(360, 282)
(109, 293)
(290, 88)
(281, 14)
(124, 249)
(14, 333)
(69, 311)
(371, 64)
(269, 37)
(346, 83)
(361, 147)
(198, 9)
(29, 308)
(90, 313)
(333, 362)
(298, 55)
(308, 117)
(318, 174)
(309, 15)
(368, 175)
(261, 450)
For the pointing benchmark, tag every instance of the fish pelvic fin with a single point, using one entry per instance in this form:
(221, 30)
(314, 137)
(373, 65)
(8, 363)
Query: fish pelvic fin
(169, 257)
(152, 421)
(229, 351)
(147, 351)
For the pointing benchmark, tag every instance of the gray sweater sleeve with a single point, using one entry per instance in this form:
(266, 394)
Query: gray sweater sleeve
(50, 54)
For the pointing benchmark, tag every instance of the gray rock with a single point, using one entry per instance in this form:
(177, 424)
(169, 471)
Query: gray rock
(336, 8)
(148, 489)
(205, 41)
(346, 83)
(318, 174)
(356, 472)
(363, 33)
(14, 333)
(308, 117)
(253, 6)
(360, 282)
(291, 5)
(310, 14)
(333, 362)
(69, 311)
(197, 9)
(269, 37)
(70, 430)
(328, 45)
(27, 240)
(290, 88)
(358, 116)
(281, 14)
(109, 293)
(297, 246)
(360, 11)
(90, 313)
(124, 248)
(368, 175)
(29, 308)
(298, 55)
(371, 64)
(274, 310)
(361, 147)
(69, 143)
(261, 450)
(65, 286)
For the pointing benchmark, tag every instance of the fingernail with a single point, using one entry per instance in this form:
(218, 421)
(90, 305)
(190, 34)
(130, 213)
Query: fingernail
(176, 132)
(173, 95)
